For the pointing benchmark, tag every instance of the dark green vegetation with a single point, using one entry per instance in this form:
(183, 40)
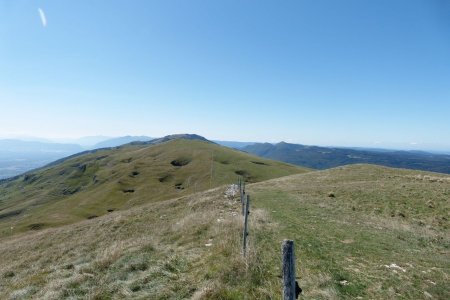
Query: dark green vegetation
(92, 184)
(324, 158)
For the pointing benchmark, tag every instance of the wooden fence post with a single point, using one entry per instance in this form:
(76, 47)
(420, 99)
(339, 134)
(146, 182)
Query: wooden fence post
(291, 290)
(243, 202)
(247, 212)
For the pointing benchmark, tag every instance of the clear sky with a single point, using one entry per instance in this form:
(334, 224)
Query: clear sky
(348, 72)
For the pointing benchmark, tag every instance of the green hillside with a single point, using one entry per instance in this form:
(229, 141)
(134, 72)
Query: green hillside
(90, 185)
(361, 232)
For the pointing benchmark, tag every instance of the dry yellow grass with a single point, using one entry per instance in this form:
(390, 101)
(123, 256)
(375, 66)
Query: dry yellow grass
(157, 249)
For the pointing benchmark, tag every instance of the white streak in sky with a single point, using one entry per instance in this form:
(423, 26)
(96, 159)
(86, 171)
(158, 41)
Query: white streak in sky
(43, 18)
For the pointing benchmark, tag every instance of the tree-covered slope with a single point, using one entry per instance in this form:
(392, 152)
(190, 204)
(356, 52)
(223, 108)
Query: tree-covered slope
(324, 157)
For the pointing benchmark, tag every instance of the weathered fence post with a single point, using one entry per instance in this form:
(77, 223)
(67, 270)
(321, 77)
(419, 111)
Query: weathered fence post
(247, 212)
(243, 200)
(291, 290)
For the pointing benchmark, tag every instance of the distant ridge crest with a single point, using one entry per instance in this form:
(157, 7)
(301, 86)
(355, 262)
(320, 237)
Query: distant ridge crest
(185, 136)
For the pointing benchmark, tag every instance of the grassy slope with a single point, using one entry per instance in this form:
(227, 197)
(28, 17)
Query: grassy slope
(190, 247)
(156, 251)
(89, 185)
(378, 217)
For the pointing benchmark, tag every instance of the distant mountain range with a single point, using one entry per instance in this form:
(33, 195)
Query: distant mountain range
(19, 146)
(114, 142)
(85, 141)
(324, 157)
(235, 145)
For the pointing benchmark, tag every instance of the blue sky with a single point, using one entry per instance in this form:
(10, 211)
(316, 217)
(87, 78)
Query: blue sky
(346, 73)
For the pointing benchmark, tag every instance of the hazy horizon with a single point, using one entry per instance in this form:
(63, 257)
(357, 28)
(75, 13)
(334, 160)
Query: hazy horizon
(91, 140)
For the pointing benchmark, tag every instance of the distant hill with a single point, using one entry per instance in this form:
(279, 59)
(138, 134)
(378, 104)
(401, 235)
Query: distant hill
(18, 156)
(324, 157)
(85, 141)
(89, 184)
(119, 141)
(184, 136)
(235, 145)
(19, 146)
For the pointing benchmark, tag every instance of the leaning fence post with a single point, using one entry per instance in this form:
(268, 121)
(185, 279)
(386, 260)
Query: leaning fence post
(291, 290)
(247, 212)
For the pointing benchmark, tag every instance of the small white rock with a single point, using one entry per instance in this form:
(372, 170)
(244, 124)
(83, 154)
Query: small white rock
(344, 282)
(395, 267)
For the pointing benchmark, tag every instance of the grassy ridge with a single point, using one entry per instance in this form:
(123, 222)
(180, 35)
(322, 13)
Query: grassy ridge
(90, 185)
